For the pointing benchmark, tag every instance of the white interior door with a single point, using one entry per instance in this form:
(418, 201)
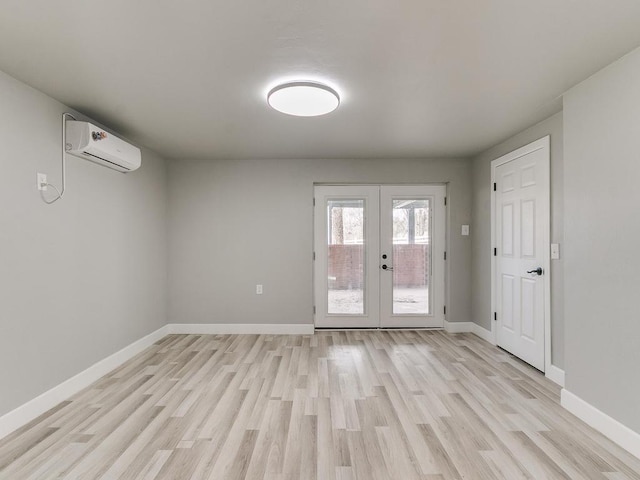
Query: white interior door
(358, 285)
(521, 221)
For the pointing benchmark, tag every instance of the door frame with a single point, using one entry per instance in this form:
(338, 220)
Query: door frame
(544, 145)
(437, 263)
(446, 266)
(371, 260)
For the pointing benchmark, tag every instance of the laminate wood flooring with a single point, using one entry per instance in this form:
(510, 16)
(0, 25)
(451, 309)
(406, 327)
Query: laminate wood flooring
(371, 405)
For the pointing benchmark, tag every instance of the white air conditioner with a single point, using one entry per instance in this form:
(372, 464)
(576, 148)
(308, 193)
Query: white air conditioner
(87, 141)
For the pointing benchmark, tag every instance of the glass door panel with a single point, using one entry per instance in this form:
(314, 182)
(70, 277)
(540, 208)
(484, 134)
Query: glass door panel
(411, 256)
(345, 258)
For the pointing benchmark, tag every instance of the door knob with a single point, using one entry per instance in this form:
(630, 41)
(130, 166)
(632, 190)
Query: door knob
(537, 271)
(385, 267)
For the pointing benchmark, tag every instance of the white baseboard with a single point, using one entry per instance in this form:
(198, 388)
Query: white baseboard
(32, 409)
(483, 333)
(469, 327)
(458, 327)
(244, 328)
(611, 428)
(555, 374)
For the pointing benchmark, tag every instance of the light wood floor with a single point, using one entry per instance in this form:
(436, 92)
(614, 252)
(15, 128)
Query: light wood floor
(399, 405)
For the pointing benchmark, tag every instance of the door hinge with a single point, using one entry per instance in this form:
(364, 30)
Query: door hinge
(495, 187)
(314, 255)
(495, 252)
(314, 202)
(445, 255)
(445, 200)
(495, 315)
(314, 309)
(445, 309)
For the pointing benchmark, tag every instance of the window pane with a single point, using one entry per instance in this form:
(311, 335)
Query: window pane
(411, 256)
(345, 222)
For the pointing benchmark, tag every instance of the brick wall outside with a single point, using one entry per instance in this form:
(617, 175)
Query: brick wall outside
(410, 262)
(346, 266)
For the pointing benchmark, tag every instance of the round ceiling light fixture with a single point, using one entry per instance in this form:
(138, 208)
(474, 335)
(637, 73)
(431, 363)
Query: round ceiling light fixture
(304, 99)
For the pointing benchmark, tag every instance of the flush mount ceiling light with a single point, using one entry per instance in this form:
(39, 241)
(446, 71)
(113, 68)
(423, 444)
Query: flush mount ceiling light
(304, 99)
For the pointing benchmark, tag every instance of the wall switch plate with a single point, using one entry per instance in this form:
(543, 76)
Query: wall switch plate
(258, 289)
(555, 251)
(42, 181)
(465, 230)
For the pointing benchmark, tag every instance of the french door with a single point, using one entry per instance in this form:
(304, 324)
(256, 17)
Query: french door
(379, 256)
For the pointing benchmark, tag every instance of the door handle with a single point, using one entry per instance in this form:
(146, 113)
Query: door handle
(386, 267)
(537, 271)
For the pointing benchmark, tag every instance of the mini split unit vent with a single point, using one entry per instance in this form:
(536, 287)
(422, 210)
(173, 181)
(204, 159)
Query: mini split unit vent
(87, 141)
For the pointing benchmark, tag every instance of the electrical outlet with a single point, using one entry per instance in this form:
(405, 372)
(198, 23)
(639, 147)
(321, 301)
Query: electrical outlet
(42, 181)
(258, 289)
(465, 230)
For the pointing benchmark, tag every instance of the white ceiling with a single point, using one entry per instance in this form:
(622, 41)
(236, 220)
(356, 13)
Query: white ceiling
(418, 78)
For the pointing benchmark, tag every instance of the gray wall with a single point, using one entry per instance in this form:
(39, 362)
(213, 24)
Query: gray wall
(602, 228)
(481, 229)
(83, 277)
(234, 224)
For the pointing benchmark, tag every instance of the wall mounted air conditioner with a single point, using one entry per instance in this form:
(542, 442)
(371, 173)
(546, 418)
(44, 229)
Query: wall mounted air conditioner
(87, 141)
